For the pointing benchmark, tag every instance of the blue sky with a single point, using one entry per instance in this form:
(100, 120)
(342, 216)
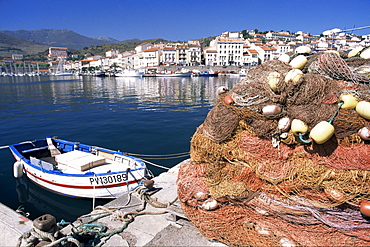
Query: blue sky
(182, 20)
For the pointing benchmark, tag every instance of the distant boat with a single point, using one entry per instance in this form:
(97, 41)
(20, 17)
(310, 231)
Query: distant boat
(209, 73)
(99, 73)
(179, 73)
(78, 170)
(129, 73)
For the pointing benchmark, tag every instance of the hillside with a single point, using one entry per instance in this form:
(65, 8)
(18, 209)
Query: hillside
(59, 37)
(10, 45)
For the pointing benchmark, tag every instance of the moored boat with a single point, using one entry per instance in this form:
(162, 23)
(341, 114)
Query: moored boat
(78, 170)
(178, 73)
(129, 73)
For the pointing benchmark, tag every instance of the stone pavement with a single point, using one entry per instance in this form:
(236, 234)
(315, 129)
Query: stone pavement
(164, 229)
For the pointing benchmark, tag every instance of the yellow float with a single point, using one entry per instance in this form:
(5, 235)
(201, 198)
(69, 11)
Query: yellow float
(322, 132)
(363, 109)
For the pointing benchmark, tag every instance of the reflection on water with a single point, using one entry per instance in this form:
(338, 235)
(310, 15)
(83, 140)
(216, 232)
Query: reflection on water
(138, 115)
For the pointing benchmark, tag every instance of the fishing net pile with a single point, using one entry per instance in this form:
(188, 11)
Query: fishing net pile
(254, 179)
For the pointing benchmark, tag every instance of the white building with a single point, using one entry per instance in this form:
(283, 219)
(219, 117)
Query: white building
(210, 57)
(151, 57)
(229, 47)
(168, 55)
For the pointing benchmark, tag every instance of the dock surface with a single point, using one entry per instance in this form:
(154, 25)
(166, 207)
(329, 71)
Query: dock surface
(12, 226)
(151, 226)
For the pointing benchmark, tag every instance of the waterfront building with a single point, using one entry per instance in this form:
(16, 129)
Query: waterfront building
(210, 57)
(229, 47)
(56, 53)
(168, 55)
(250, 57)
(151, 57)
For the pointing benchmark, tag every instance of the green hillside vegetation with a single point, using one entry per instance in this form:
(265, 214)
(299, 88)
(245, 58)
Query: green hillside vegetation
(10, 45)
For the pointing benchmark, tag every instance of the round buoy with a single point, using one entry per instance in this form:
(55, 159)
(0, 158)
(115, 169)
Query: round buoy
(18, 169)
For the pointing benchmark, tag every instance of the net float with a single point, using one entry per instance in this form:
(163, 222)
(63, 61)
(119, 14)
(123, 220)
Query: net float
(298, 62)
(365, 208)
(303, 50)
(364, 133)
(271, 110)
(322, 132)
(334, 194)
(284, 58)
(355, 51)
(293, 76)
(363, 109)
(210, 204)
(349, 101)
(228, 100)
(222, 90)
(273, 79)
(365, 53)
(284, 124)
(298, 126)
(200, 195)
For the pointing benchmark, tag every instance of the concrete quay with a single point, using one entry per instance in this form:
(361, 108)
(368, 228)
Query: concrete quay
(152, 227)
(12, 226)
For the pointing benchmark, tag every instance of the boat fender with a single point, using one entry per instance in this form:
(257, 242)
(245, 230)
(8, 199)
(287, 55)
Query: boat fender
(298, 126)
(322, 132)
(364, 133)
(349, 101)
(18, 169)
(298, 62)
(44, 222)
(363, 109)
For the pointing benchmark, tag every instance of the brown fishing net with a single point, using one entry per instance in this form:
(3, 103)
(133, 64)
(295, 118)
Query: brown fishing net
(250, 182)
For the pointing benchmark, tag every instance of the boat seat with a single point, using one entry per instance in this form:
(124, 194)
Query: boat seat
(34, 149)
(79, 160)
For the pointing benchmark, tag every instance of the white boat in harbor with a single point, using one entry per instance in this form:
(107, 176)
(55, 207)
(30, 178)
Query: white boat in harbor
(129, 73)
(60, 71)
(178, 73)
(78, 170)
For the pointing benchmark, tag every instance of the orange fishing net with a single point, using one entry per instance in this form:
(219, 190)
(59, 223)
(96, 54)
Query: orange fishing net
(251, 183)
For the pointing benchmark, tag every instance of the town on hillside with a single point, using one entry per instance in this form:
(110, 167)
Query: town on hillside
(227, 49)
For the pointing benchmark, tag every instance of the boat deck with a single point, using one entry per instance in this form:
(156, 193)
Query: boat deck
(107, 167)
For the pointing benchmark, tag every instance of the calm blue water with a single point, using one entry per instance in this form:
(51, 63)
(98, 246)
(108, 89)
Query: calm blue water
(137, 115)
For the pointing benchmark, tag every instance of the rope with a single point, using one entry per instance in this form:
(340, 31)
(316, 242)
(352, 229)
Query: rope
(2, 147)
(158, 155)
(156, 165)
(176, 157)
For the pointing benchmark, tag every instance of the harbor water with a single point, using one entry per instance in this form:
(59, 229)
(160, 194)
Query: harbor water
(149, 117)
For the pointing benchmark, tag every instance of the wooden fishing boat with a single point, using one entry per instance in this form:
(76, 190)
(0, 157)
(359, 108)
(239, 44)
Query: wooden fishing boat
(78, 170)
